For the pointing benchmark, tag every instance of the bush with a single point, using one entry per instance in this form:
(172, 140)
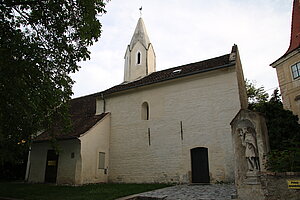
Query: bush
(284, 160)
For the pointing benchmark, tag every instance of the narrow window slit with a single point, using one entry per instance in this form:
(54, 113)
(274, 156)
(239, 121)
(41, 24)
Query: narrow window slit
(138, 60)
(181, 130)
(149, 138)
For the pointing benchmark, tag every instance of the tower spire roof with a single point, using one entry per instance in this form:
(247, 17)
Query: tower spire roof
(295, 29)
(140, 34)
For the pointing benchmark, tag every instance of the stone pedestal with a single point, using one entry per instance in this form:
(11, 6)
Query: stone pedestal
(252, 178)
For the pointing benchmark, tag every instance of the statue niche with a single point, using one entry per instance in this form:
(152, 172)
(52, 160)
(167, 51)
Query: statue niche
(247, 135)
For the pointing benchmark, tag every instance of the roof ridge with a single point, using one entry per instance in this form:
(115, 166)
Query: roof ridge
(202, 61)
(153, 74)
(162, 75)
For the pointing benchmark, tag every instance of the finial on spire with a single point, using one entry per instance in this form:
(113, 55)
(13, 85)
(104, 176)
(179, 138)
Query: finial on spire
(141, 10)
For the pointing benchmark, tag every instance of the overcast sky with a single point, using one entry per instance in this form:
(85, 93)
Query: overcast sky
(183, 32)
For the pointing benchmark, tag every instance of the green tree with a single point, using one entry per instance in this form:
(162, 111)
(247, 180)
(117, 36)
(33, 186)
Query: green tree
(255, 94)
(41, 43)
(283, 131)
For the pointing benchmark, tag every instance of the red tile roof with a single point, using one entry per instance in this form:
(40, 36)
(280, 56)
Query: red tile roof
(295, 30)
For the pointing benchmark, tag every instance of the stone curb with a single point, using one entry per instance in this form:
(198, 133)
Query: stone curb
(139, 197)
(127, 197)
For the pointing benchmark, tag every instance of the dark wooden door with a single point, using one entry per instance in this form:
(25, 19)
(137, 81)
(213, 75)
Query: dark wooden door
(200, 170)
(51, 167)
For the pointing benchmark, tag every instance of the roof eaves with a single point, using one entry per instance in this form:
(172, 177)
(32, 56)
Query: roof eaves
(99, 121)
(171, 78)
(58, 139)
(285, 55)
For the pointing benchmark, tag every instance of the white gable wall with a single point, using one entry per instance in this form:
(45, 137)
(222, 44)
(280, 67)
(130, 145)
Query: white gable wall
(92, 142)
(205, 103)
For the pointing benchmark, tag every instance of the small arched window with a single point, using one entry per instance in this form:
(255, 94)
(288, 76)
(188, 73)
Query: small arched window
(145, 111)
(138, 58)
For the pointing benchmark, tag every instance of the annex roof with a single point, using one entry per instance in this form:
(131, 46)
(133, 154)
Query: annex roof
(83, 118)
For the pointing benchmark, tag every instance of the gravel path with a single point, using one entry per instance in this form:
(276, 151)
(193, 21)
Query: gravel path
(194, 192)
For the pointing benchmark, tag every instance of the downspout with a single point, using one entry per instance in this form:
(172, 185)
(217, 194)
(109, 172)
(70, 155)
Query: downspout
(104, 106)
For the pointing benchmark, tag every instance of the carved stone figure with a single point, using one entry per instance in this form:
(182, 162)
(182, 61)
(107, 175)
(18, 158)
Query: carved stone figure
(248, 137)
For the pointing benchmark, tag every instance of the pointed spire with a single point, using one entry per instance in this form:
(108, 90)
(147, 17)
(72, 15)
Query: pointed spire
(140, 34)
(295, 32)
(140, 56)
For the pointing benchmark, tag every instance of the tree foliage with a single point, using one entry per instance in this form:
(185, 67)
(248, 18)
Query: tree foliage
(283, 131)
(41, 43)
(254, 94)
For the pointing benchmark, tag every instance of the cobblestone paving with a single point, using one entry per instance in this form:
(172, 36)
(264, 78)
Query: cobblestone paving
(194, 192)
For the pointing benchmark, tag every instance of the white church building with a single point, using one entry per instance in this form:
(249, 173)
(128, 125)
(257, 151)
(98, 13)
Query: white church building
(155, 127)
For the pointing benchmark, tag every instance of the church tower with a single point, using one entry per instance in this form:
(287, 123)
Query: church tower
(288, 66)
(139, 56)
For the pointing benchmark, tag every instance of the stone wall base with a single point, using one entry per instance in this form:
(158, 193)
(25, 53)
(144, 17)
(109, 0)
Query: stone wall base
(270, 186)
(275, 186)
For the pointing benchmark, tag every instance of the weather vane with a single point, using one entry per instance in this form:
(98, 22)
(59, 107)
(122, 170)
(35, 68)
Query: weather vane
(141, 10)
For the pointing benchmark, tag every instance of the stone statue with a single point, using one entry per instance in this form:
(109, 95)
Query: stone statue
(248, 137)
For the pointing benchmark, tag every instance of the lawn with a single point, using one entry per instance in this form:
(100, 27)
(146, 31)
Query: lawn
(91, 192)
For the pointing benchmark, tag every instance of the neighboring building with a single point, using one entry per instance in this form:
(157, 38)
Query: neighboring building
(167, 126)
(288, 66)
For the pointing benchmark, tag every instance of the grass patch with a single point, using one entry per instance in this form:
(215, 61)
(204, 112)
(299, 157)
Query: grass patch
(57, 192)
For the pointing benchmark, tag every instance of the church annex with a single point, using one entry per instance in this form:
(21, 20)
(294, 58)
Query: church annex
(157, 126)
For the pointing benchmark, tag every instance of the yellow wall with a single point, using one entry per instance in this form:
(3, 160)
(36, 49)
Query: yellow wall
(289, 87)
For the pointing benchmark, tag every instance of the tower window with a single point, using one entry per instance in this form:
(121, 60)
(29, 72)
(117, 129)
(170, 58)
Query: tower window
(296, 70)
(138, 58)
(145, 111)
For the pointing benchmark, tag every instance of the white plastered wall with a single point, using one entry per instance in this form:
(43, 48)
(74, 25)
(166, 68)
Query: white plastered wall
(92, 142)
(205, 103)
(69, 168)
